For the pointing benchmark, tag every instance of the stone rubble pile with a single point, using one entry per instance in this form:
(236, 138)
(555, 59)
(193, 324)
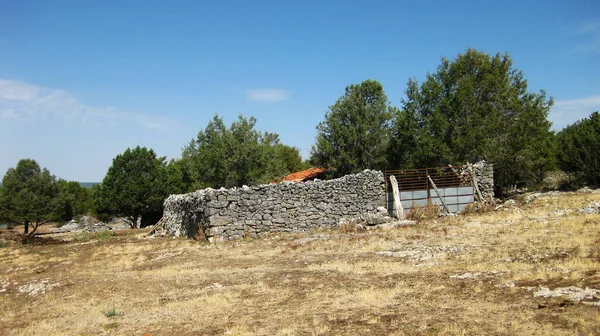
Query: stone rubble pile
(91, 224)
(234, 213)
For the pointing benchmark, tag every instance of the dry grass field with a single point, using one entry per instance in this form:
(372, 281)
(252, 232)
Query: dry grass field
(464, 275)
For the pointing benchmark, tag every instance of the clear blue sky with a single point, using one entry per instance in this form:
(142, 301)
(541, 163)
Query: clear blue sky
(80, 81)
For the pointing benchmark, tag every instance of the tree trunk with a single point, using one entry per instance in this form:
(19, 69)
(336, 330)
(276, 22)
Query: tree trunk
(35, 227)
(26, 227)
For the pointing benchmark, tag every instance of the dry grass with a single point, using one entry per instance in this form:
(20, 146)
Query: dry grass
(479, 208)
(337, 282)
(423, 212)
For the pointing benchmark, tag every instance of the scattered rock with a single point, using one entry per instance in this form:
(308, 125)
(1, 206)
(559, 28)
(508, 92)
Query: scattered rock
(469, 275)
(592, 208)
(382, 210)
(585, 190)
(215, 285)
(40, 287)
(572, 293)
(421, 253)
(528, 198)
(400, 254)
(91, 224)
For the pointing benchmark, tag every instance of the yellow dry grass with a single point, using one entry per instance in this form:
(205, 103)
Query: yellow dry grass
(409, 281)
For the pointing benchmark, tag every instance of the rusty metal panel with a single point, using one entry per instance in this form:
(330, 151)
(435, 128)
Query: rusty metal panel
(454, 186)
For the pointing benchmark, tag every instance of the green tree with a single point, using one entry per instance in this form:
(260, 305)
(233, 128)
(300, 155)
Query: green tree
(355, 133)
(178, 178)
(234, 156)
(29, 195)
(73, 200)
(475, 107)
(578, 148)
(291, 158)
(134, 187)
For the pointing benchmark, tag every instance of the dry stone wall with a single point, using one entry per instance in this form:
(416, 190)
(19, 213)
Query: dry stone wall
(485, 178)
(225, 214)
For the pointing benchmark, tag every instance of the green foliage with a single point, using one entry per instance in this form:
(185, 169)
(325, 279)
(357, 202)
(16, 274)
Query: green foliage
(178, 178)
(579, 148)
(112, 312)
(73, 200)
(475, 107)
(290, 156)
(29, 194)
(236, 156)
(354, 135)
(135, 185)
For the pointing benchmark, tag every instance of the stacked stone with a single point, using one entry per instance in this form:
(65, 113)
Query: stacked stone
(285, 207)
(485, 178)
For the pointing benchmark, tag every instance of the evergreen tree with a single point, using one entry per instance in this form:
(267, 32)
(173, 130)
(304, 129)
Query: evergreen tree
(29, 195)
(475, 107)
(134, 187)
(354, 135)
(236, 156)
(73, 200)
(579, 148)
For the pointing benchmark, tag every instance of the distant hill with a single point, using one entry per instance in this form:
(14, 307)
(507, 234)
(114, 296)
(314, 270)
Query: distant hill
(88, 184)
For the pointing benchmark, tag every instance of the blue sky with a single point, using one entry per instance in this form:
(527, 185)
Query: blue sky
(80, 81)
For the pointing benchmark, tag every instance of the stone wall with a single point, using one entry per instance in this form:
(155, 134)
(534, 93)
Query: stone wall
(485, 178)
(249, 211)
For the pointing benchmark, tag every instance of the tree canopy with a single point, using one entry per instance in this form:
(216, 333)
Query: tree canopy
(354, 135)
(475, 107)
(236, 156)
(579, 148)
(29, 194)
(135, 185)
(73, 200)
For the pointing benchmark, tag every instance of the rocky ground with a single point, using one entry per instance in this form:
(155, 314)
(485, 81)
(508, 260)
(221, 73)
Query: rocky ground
(531, 267)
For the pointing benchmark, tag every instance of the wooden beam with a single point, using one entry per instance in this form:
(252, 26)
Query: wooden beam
(438, 193)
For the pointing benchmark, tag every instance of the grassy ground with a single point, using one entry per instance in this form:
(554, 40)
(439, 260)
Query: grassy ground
(407, 281)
